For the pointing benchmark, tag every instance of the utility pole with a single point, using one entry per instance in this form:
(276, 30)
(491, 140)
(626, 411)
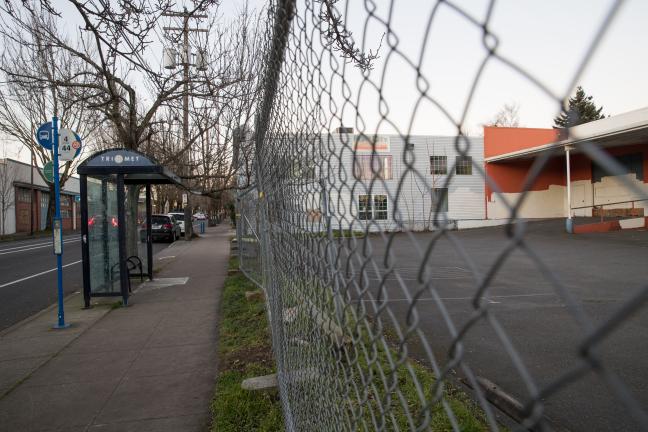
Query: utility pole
(185, 59)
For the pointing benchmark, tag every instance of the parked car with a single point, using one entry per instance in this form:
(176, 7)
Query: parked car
(164, 226)
(179, 217)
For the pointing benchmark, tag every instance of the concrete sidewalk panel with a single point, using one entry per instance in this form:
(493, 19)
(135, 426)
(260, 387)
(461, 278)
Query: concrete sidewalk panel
(53, 407)
(173, 395)
(69, 368)
(12, 371)
(173, 424)
(173, 360)
(35, 347)
(191, 317)
(174, 335)
(106, 341)
(130, 321)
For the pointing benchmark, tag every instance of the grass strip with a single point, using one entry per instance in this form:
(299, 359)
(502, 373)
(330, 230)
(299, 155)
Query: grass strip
(244, 352)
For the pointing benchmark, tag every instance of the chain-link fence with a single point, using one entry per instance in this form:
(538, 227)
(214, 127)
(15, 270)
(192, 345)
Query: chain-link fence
(384, 316)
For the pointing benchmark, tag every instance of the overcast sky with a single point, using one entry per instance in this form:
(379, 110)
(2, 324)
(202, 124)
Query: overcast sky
(547, 38)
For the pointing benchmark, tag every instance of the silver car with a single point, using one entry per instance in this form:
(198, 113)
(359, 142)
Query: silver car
(179, 217)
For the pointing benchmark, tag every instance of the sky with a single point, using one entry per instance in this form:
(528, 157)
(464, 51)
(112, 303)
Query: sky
(546, 38)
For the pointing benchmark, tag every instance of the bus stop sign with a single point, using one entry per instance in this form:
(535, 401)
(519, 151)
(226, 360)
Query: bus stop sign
(44, 135)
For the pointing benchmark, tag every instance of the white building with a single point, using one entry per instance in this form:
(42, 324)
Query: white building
(411, 181)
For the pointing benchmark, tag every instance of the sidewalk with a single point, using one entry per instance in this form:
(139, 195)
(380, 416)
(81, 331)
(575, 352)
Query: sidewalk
(148, 367)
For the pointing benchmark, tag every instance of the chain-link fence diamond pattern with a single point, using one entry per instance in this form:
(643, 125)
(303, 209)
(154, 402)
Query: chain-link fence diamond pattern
(354, 291)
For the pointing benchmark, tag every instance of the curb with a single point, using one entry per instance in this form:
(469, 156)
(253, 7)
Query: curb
(31, 318)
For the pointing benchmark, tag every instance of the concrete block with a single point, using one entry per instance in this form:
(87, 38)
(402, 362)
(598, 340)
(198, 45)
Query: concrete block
(632, 223)
(298, 342)
(290, 315)
(254, 295)
(266, 382)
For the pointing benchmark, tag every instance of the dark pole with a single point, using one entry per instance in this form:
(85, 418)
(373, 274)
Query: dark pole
(149, 240)
(85, 248)
(121, 230)
(31, 197)
(104, 233)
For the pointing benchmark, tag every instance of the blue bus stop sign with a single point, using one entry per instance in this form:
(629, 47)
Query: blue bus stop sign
(44, 135)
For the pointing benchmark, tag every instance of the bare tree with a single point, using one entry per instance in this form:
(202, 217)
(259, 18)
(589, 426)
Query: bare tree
(125, 85)
(7, 178)
(507, 116)
(340, 38)
(26, 103)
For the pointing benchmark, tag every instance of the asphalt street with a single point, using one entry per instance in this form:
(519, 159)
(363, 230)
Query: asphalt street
(28, 275)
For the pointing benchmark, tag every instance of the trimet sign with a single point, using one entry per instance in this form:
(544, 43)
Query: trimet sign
(119, 159)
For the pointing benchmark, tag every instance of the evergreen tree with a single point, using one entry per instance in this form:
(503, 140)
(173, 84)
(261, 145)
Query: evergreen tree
(581, 110)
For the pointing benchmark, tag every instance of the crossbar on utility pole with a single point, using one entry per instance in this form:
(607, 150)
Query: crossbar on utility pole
(182, 29)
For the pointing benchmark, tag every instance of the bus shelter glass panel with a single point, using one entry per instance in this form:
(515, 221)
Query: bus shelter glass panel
(136, 227)
(103, 239)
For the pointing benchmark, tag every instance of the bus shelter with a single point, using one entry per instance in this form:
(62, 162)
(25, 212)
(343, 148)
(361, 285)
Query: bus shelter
(116, 221)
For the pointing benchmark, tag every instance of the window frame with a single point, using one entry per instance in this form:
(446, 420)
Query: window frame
(23, 195)
(362, 167)
(369, 210)
(434, 197)
(463, 165)
(437, 162)
(365, 212)
(378, 210)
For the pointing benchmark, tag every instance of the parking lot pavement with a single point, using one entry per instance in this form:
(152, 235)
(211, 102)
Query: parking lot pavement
(600, 271)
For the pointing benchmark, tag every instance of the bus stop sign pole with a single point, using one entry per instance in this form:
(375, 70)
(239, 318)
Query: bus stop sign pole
(57, 228)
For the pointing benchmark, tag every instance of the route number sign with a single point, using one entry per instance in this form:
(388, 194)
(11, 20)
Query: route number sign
(69, 144)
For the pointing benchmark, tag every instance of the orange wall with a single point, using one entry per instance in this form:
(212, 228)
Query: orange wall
(500, 140)
(510, 175)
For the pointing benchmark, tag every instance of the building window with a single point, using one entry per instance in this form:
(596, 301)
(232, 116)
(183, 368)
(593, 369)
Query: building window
(464, 165)
(375, 208)
(440, 194)
(382, 167)
(24, 195)
(380, 207)
(438, 164)
(364, 207)
(44, 199)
